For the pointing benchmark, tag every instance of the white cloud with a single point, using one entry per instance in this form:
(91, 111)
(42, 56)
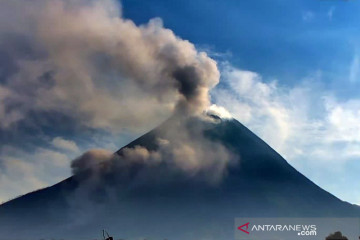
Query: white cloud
(308, 126)
(354, 69)
(64, 144)
(219, 111)
(16, 178)
(23, 171)
(344, 120)
(252, 101)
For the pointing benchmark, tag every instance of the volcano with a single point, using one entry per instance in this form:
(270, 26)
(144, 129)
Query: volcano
(173, 206)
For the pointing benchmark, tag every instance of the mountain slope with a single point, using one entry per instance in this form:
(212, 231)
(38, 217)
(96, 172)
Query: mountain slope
(261, 184)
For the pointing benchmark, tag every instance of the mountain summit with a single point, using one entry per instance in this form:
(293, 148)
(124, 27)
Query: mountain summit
(159, 194)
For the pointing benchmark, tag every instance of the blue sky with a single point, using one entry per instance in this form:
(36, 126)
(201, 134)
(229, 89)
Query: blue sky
(286, 40)
(290, 71)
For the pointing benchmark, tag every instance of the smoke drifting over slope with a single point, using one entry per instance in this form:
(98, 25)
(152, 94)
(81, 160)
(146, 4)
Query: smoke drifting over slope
(180, 149)
(81, 58)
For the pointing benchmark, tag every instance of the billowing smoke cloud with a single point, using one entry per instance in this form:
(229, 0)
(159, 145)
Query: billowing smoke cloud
(91, 160)
(81, 58)
(180, 148)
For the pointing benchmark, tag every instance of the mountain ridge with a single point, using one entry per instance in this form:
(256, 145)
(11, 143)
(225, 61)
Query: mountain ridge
(263, 184)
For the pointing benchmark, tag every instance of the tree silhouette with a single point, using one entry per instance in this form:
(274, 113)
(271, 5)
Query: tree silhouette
(336, 236)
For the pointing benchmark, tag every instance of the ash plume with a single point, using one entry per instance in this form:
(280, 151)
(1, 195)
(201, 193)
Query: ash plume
(83, 59)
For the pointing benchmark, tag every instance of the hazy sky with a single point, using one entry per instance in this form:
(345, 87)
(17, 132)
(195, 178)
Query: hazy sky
(290, 71)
